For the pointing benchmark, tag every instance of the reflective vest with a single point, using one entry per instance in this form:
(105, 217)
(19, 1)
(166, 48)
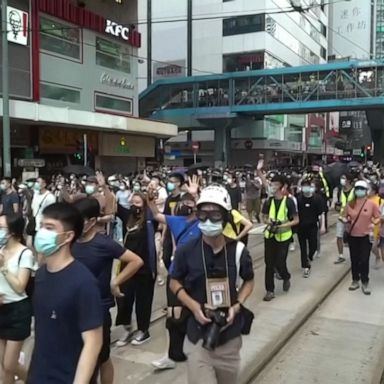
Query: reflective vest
(346, 197)
(325, 185)
(284, 234)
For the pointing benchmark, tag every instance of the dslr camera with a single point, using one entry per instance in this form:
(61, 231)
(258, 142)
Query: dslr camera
(274, 226)
(219, 321)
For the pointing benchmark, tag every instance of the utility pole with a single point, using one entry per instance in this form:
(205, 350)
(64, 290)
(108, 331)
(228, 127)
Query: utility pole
(85, 149)
(5, 91)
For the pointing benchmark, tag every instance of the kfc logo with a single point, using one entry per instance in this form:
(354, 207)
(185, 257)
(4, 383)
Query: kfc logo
(18, 26)
(117, 30)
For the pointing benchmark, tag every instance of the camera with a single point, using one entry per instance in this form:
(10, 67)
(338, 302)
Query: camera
(219, 321)
(274, 227)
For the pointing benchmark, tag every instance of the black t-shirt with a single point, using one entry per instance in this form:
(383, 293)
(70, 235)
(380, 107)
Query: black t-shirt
(235, 194)
(66, 304)
(188, 268)
(7, 200)
(170, 204)
(135, 238)
(309, 209)
(291, 207)
(98, 255)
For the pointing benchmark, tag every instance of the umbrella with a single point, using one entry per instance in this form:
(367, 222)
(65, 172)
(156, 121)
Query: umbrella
(354, 164)
(248, 166)
(192, 170)
(333, 173)
(78, 170)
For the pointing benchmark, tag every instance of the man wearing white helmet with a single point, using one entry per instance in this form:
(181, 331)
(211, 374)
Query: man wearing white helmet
(206, 279)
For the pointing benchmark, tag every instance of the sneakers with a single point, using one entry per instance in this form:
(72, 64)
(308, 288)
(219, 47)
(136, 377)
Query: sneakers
(355, 285)
(286, 285)
(126, 338)
(365, 288)
(164, 363)
(306, 272)
(339, 260)
(141, 338)
(269, 296)
(160, 281)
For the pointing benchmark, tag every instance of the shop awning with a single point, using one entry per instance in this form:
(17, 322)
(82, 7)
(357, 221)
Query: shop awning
(50, 115)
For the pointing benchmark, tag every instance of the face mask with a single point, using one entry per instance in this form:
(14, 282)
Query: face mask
(122, 187)
(37, 187)
(343, 182)
(3, 187)
(30, 184)
(210, 229)
(225, 177)
(229, 181)
(360, 192)
(185, 210)
(46, 242)
(136, 188)
(307, 190)
(90, 189)
(313, 189)
(171, 186)
(3, 237)
(136, 210)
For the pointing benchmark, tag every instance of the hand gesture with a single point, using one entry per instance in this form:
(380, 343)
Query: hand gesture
(260, 165)
(100, 179)
(193, 185)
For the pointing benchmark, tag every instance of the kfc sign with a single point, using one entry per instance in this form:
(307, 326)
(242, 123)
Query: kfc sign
(18, 25)
(117, 30)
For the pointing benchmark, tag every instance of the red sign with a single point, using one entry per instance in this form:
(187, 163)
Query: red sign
(195, 146)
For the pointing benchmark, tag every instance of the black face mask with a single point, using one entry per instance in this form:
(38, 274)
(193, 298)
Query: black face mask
(184, 210)
(136, 210)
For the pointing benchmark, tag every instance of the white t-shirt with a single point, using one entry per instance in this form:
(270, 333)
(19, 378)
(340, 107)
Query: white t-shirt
(162, 198)
(39, 203)
(26, 261)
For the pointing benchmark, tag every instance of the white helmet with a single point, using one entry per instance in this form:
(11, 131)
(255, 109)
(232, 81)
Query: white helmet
(215, 194)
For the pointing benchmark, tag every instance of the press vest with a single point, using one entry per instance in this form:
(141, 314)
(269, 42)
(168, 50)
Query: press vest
(284, 234)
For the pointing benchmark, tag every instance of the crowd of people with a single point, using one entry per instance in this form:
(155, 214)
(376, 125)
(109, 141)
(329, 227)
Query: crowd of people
(62, 236)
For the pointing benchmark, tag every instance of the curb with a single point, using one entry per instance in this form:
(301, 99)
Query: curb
(250, 372)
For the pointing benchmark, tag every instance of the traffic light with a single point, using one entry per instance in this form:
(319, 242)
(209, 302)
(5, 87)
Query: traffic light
(78, 155)
(362, 153)
(369, 151)
(123, 142)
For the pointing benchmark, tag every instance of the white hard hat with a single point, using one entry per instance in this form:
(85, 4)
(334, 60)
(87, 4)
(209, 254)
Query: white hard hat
(215, 194)
(361, 184)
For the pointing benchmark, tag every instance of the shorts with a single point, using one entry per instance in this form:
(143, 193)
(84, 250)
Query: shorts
(15, 320)
(253, 205)
(340, 227)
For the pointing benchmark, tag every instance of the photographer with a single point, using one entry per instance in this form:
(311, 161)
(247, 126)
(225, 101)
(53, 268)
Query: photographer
(205, 279)
(280, 215)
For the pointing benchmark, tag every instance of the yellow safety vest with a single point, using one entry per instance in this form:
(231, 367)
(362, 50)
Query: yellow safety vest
(284, 234)
(325, 185)
(344, 200)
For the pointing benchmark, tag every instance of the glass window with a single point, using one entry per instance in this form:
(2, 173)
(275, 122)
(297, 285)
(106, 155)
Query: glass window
(113, 103)
(60, 39)
(112, 55)
(60, 93)
(243, 24)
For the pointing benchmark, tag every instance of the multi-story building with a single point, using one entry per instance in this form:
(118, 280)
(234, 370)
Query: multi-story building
(356, 31)
(73, 71)
(185, 37)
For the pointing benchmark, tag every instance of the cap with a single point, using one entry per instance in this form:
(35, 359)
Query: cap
(92, 179)
(215, 194)
(361, 184)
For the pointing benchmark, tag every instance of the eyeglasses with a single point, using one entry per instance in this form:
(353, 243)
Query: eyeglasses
(214, 216)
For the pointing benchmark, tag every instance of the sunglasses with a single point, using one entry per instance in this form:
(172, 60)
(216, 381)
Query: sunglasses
(213, 216)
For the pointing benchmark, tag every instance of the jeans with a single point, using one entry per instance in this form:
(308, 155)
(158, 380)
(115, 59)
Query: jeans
(360, 250)
(275, 256)
(308, 244)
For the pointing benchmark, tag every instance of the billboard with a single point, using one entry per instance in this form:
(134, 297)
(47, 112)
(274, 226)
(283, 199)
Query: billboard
(166, 70)
(350, 28)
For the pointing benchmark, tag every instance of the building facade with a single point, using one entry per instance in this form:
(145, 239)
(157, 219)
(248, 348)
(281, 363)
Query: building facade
(78, 76)
(198, 37)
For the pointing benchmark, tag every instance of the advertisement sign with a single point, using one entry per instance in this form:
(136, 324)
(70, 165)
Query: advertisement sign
(17, 26)
(169, 70)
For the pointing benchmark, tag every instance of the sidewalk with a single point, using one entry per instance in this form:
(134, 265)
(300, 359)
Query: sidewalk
(273, 325)
(342, 343)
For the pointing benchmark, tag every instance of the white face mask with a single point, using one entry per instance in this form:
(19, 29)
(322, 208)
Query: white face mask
(210, 229)
(343, 182)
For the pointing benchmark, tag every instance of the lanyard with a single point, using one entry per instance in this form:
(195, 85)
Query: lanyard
(205, 264)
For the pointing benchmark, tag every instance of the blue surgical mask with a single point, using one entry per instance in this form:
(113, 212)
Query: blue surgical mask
(46, 242)
(37, 187)
(307, 190)
(271, 190)
(360, 192)
(210, 229)
(171, 186)
(30, 184)
(3, 237)
(313, 189)
(136, 188)
(90, 189)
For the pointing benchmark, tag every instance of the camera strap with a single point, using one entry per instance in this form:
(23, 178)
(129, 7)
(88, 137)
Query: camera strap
(217, 289)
